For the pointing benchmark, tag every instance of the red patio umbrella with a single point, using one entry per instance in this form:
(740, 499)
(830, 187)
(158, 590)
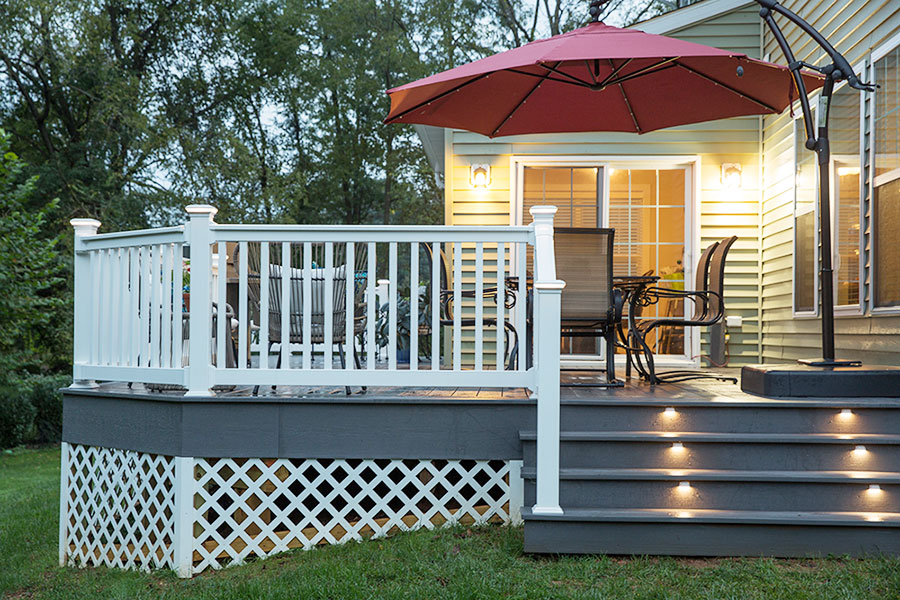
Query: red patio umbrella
(596, 78)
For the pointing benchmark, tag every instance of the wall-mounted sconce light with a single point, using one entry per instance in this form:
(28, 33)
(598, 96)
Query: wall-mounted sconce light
(480, 175)
(732, 175)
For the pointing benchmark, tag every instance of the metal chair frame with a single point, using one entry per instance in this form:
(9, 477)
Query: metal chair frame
(709, 309)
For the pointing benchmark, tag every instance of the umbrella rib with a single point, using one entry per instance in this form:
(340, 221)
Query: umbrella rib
(564, 74)
(630, 110)
(627, 103)
(545, 77)
(648, 70)
(587, 65)
(727, 87)
(520, 103)
(614, 72)
(433, 98)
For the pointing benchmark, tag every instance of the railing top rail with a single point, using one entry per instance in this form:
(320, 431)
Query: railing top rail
(373, 233)
(138, 237)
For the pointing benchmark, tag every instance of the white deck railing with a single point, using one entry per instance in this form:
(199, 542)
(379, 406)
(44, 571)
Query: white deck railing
(131, 322)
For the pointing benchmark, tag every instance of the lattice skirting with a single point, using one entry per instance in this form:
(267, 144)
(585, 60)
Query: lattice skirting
(136, 510)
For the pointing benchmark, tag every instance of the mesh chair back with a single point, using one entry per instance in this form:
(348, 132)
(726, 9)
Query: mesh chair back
(717, 275)
(584, 260)
(318, 289)
(701, 278)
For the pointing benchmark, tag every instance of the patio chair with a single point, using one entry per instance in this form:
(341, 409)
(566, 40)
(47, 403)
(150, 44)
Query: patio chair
(490, 293)
(709, 308)
(591, 307)
(317, 317)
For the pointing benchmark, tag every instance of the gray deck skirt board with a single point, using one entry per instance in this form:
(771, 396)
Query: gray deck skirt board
(860, 477)
(693, 436)
(277, 427)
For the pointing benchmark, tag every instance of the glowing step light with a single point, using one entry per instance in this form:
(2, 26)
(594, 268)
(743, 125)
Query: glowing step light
(684, 486)
(677, 447)
(670, 412)
(860, 450)
(846, 414)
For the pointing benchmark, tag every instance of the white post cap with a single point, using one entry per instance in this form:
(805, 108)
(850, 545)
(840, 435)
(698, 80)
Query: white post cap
(85, 226)
(201, 209)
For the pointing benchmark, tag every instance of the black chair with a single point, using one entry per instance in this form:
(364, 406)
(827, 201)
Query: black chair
(489, 293)
(709, 308)
(591, 307)
(318, 284)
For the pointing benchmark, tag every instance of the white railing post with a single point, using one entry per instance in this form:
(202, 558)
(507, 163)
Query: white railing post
(199, 370)
(548, 294)
(85, 296)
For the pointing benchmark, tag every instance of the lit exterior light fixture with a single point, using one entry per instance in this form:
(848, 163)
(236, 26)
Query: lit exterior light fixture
(860, 450)
(678, 447)
(732, 175)
(684, 486)
(874, 489)
(846, 413)
(480, 176)
(670, 412)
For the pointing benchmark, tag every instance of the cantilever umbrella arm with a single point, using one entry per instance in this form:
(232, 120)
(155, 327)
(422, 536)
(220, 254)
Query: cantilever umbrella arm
(817, 140)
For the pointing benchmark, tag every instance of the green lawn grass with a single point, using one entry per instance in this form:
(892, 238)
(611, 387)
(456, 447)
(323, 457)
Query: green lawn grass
(482, 562)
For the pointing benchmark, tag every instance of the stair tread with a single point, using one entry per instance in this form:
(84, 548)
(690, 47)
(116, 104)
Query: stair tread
(707, 436)
(861, 477)
(726, 403)
(651, 515)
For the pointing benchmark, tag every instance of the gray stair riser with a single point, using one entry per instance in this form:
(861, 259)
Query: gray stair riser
(719, 455)
(724, 495)
(726, 419)
(686, 539)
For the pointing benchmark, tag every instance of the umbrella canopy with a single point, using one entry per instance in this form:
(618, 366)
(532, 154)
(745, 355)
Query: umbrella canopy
(596, 78)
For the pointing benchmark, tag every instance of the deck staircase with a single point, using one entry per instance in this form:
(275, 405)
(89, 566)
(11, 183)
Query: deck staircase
(700, 477)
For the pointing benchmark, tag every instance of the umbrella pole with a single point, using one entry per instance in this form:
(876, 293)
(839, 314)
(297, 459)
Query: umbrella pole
(838, 70)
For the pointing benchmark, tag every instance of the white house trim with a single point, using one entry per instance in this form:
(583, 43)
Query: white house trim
(689, 15)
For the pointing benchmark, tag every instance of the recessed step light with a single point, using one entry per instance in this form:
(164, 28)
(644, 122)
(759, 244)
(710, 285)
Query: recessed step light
(677, 447)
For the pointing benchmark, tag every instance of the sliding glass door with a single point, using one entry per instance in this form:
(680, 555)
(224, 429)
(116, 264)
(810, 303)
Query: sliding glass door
(650, 209)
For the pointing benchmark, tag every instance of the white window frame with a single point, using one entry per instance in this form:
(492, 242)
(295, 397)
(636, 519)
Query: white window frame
(798, 138)
(517, 163)
(877, 54)
(850, 310)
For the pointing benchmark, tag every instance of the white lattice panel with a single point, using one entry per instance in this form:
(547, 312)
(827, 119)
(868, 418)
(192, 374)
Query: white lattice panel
(257, 507)
(117, 508)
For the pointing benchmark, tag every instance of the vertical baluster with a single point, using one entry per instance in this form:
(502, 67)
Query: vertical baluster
(124, 309)
(95, 308)
(145, 305)
(166, 361)
(501, 303)
(155, 298)
(435, 306)
(286, 282)
(392, 305)
(103, 302)
(457, 306)
(522, 305)
(370, 307)
(350, 303)
(307, 305)
(328, 303)
(134, 312)
(414, 306)
(264, 304)
(223, 327)
(115, 342)
(178, 320)
(479, 306)
(243, 310)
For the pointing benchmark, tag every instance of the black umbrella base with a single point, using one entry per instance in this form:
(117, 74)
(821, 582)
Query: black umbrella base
(805, 381)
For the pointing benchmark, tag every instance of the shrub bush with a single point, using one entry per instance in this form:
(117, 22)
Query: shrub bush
(43, 391)
(16, 415)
